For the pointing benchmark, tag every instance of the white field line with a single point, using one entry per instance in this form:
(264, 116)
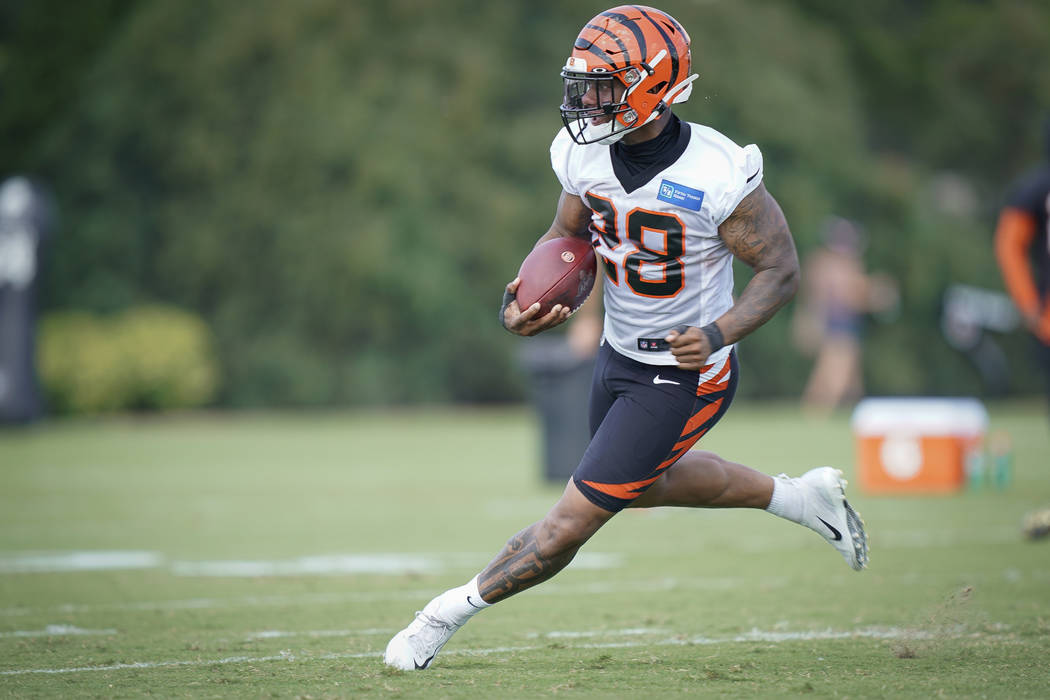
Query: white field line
(62, 562)
(752, 636)
(389, 563)
(57, 631)
(328, 565)
(379, 563)
(281, 634)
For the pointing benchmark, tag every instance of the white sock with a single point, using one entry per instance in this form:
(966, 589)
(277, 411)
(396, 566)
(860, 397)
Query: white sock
(457, 605)
(787, 499)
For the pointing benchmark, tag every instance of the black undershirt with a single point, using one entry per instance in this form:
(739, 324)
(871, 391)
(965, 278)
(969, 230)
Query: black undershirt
(637, 164)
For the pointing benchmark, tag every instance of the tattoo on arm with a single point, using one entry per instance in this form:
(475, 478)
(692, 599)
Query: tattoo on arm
(519, 566)
(757, 233)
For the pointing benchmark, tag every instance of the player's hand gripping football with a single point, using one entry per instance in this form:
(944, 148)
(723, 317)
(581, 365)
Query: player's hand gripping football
(526, 322)
(690, 347)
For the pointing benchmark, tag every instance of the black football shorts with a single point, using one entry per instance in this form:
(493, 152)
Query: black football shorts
(643, 419)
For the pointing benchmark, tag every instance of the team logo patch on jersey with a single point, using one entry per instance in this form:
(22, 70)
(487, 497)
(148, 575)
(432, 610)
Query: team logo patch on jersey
(680, 195)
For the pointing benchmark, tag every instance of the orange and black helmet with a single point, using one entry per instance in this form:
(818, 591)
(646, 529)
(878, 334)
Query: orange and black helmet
(627, 65)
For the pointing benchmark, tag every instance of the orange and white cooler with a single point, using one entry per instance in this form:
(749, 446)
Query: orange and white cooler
(916, 445)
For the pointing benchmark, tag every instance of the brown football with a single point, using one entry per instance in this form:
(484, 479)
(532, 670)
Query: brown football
(559, 271)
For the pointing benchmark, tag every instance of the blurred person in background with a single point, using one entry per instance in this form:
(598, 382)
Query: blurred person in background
(27, 217)
(828, 323)
(559, 367)
(1022, 241)
(668, 205)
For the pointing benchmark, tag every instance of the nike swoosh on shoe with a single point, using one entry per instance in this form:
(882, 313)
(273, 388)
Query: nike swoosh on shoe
(834, 531)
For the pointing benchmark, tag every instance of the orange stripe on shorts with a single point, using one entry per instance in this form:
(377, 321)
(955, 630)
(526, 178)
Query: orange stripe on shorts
(628, 492)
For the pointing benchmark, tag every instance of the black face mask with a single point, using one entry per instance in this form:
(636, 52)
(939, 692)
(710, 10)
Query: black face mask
(607, 101)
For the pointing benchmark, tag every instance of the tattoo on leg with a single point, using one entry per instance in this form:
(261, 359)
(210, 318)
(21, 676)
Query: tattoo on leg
(520, 565)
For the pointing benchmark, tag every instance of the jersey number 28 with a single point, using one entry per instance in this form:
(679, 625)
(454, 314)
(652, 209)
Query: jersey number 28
(667, 261)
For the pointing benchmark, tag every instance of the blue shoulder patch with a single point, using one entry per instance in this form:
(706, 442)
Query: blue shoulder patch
(680, 195)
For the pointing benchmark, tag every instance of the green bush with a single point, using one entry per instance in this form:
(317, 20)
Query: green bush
(145, 358)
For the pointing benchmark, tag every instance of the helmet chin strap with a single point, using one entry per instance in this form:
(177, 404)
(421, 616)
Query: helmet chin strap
(614, 137)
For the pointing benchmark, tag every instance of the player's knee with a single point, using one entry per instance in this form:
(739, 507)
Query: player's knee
(566, 530)
(562, 533)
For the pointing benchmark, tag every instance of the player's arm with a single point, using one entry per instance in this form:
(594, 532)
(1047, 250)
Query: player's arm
(757, 233)
(572, 218)
(1014, 235)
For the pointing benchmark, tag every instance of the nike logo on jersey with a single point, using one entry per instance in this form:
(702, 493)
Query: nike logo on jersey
(471, 603)
(657, 380)
(838, 535)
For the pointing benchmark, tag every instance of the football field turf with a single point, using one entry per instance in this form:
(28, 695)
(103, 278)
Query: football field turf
(275, 555)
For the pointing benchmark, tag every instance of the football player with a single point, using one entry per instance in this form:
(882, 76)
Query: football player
(667, 205)
(1022, 240)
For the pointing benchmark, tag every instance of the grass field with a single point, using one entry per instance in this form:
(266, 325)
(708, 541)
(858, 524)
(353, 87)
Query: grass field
(274, 556)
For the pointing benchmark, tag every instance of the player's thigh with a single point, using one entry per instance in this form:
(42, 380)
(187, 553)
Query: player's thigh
(630, 446)
(650, 425)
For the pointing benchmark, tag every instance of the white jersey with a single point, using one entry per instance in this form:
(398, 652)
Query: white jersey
(665, 265)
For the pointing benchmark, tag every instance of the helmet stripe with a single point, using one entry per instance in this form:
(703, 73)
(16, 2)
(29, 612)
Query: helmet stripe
(678, 26)
(671, 50)
(635, 30)
(601, 53)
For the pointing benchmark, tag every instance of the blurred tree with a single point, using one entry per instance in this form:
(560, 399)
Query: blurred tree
(342, 190)
(951, 85)
(46, 47)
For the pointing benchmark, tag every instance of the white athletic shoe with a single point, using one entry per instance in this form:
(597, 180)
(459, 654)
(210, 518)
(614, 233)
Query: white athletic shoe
(826, 510)
(413, 648)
